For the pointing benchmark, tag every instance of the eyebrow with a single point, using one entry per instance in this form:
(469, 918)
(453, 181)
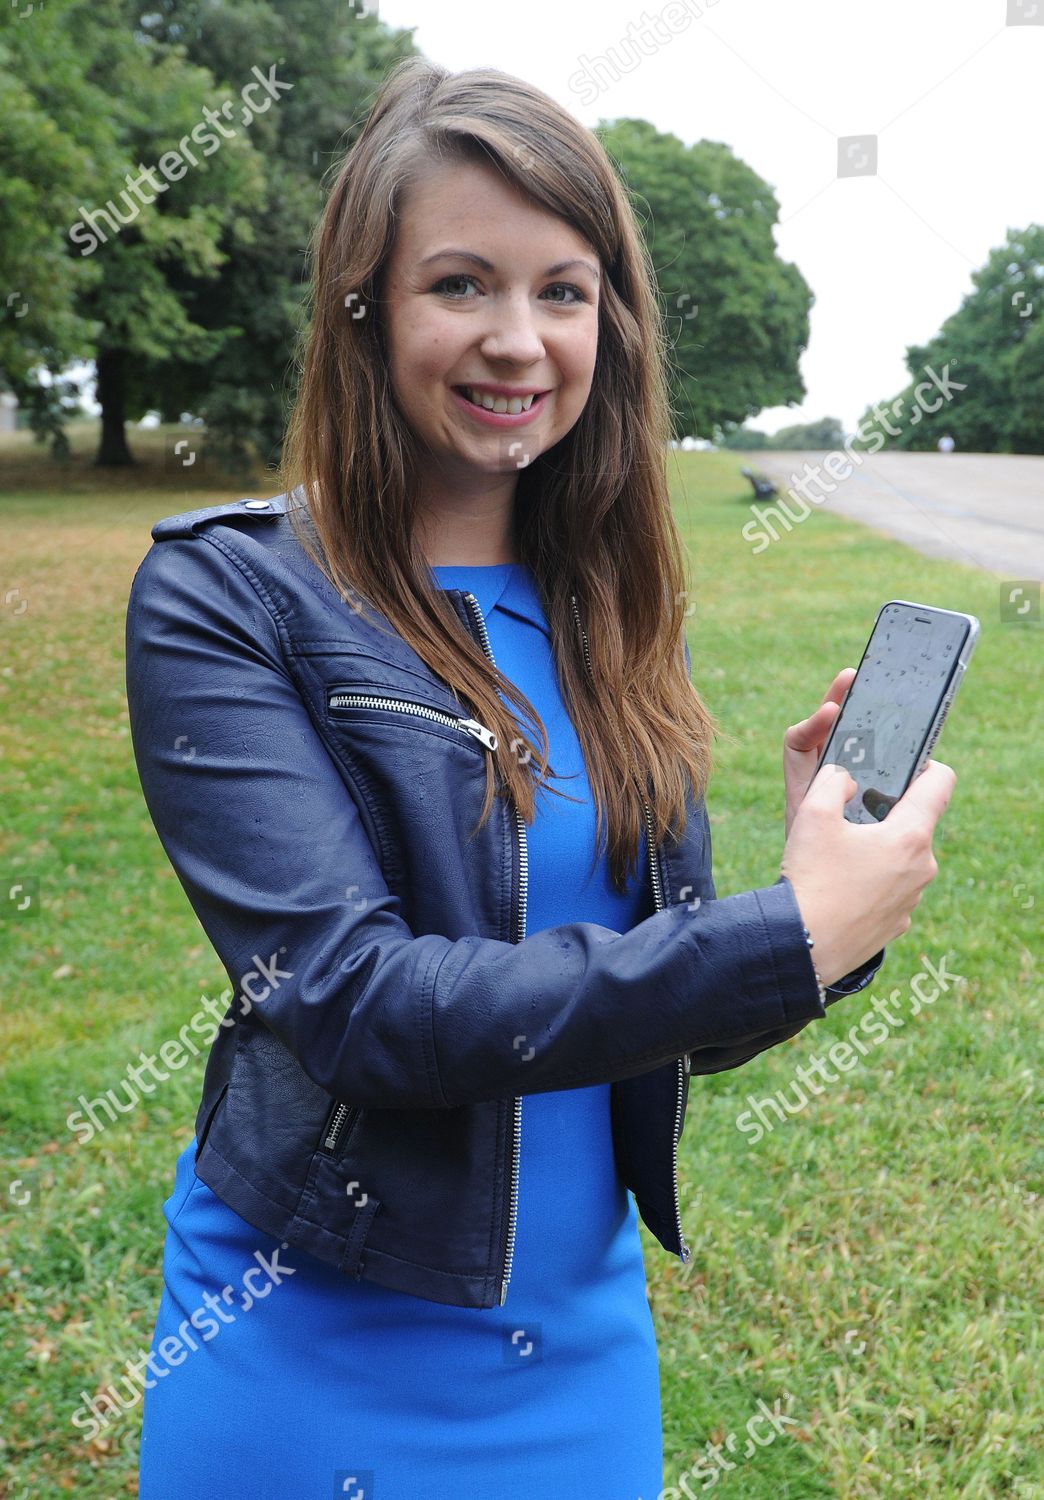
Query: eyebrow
(478, 260)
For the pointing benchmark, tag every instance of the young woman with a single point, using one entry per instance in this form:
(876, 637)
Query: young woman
(475, 950)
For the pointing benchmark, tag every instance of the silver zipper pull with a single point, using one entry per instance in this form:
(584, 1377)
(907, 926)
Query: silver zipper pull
(480, 732)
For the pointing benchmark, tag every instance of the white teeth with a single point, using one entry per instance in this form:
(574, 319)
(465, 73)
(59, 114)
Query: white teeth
(513, 406)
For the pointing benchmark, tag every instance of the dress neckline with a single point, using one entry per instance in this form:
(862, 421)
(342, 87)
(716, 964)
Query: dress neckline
(509, 586)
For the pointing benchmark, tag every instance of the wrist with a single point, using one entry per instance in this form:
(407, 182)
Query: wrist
(827, 962)
(822, 987)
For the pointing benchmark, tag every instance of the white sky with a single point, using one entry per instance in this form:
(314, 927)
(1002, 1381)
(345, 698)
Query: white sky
(954, 93)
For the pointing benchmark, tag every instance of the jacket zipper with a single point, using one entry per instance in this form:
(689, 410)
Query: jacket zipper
(684, 1254)
(520, 932)
(364, 700)
(335, 1123)
(341, 1113)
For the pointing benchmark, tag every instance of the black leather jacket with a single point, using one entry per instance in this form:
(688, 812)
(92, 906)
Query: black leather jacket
(313, 784)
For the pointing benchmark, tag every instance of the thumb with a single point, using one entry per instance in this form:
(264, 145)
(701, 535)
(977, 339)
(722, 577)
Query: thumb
(810, 732)
(831, 787)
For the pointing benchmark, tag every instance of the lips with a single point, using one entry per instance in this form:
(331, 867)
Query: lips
(501, 402)
(503, 418)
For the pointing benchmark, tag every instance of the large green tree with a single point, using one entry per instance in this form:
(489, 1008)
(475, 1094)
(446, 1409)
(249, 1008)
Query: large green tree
(184, 284)
(993, 348)
(194, 302)
(57, 145)
(137, 215)
(335, 57)
(737, 312)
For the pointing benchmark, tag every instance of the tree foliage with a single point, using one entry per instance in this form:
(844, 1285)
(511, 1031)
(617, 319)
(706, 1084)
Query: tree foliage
(824, 433)
(737, 313)
(187, 297)
(335, 59)
(993, 346)
(827, 432)
(190, 299)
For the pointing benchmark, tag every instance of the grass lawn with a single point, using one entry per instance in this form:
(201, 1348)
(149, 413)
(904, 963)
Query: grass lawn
(869, 1270)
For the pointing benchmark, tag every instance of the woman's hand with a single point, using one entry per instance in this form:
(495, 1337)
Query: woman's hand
(803, 743)
(857, 883)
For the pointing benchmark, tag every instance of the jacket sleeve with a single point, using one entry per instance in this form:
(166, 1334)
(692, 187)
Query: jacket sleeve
(718, 1059)
(270, 845)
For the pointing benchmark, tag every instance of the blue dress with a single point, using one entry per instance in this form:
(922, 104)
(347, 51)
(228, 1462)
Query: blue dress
(326, 1386)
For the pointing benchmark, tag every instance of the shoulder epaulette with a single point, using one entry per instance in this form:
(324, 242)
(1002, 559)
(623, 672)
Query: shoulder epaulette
(189, 521)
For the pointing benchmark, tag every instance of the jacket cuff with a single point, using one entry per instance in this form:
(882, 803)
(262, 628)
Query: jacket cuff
(796, 980)
(857, 979)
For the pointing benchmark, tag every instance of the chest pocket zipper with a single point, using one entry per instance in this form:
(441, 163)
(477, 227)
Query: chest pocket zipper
(339, 702)
(343, 1116)
(340, 1119)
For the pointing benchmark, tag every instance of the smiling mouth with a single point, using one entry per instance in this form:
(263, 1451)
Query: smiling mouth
(502, 405)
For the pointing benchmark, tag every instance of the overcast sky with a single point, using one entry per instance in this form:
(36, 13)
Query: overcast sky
(953, 92)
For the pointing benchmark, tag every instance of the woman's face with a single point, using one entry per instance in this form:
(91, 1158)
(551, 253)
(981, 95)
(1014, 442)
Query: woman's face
(486, 294)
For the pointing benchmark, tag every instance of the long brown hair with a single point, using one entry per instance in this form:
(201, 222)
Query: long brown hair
(592, 515)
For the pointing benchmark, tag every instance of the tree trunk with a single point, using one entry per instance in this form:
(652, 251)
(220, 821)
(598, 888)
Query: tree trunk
(112, 446)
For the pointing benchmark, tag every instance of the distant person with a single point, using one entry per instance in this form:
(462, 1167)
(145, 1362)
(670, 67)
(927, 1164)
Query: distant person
(946, 443)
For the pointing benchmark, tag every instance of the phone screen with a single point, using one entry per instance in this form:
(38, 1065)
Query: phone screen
(881, 730)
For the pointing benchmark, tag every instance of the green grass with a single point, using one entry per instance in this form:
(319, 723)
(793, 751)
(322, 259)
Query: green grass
(877, 1256)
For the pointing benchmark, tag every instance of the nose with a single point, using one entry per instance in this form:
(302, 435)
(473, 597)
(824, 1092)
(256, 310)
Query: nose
(512, 332)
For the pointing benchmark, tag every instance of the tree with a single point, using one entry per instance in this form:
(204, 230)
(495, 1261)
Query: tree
(56, 143)
(744, 439)
(738, 314)
(827, 432)
(164, 240)
(139, 215)
(992, 347)
(335, 60)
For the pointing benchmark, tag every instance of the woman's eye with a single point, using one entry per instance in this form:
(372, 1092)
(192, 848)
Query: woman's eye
(567, 286)
(447, 284)
(449, 280)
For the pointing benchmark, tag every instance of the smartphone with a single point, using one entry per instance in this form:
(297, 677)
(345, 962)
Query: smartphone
(893, 711)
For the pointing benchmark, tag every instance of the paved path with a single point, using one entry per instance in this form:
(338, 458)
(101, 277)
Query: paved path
(985, 509)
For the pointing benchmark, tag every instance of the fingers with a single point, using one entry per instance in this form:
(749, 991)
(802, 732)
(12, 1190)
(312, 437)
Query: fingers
(926, 798)
(831, 788)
